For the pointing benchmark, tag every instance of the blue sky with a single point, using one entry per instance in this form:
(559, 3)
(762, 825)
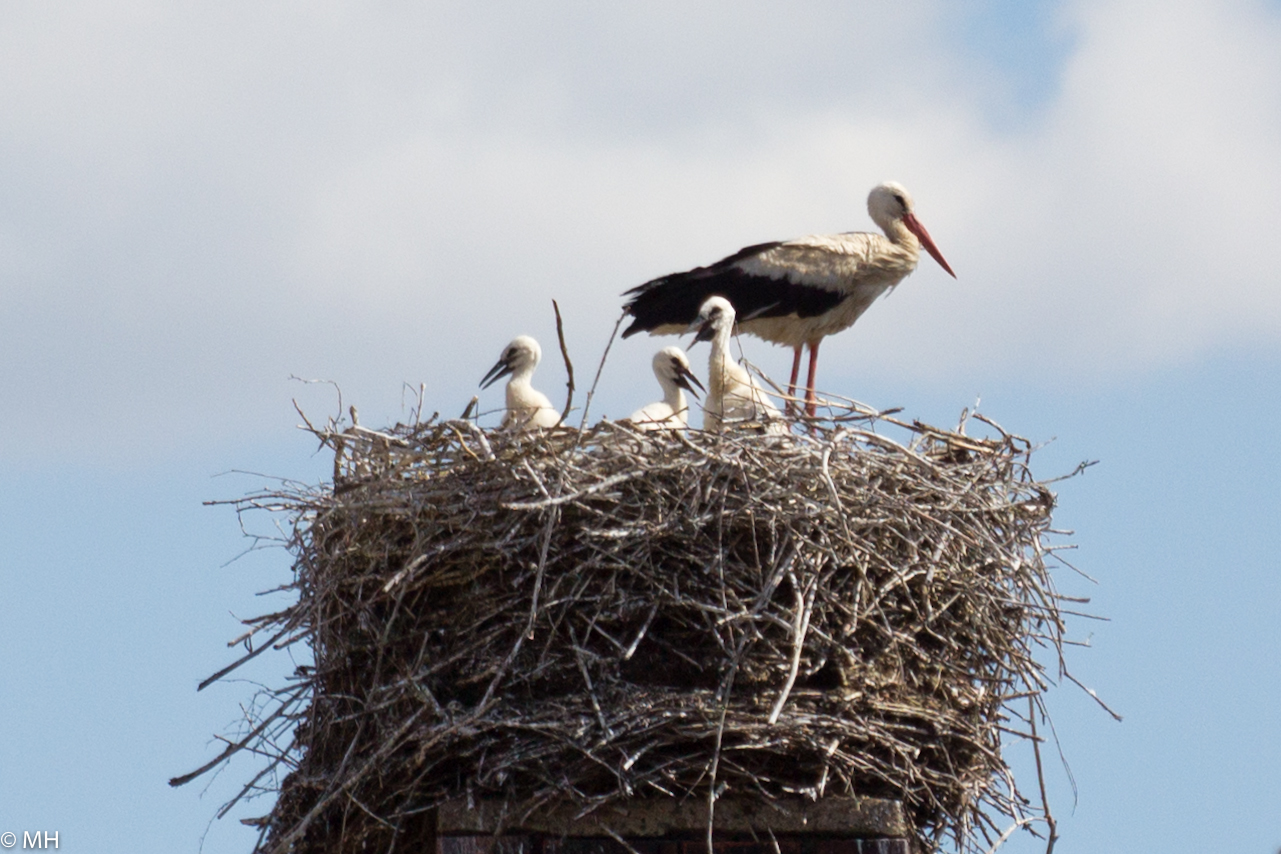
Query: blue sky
(198, 202)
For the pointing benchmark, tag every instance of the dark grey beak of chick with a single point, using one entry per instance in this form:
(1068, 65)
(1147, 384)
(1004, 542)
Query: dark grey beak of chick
(501, 369)
(684, 377)
(704, 331)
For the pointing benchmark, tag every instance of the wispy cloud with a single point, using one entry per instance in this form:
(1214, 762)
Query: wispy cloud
(196, 203)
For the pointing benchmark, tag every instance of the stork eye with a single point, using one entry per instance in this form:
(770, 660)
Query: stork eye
(900, 200)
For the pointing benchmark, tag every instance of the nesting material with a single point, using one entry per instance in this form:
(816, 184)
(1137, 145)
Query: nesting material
(556, 616)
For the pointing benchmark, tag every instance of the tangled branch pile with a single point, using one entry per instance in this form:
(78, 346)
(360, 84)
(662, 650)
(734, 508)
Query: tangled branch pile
(613, 615)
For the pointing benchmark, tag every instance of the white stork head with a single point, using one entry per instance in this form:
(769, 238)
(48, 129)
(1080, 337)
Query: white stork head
(891, 203)
(519, 359)
(671, 366)
(715, 314)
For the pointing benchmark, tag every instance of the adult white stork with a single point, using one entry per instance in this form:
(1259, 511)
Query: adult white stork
(527, 408)
(732, 393)
(799, 291)
(671, 367)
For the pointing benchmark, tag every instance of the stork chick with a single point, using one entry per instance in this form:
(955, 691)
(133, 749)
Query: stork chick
(732, 393)
(671, 367)
(527, 408)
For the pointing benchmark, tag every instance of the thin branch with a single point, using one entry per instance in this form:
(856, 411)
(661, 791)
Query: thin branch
(569, 366)
(1052, 834)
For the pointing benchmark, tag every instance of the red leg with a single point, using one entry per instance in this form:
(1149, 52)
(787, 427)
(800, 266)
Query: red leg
(796, 370)
(811, 396)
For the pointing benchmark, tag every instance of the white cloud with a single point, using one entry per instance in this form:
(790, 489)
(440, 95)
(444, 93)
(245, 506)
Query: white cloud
(196, 203)
(1169, 136)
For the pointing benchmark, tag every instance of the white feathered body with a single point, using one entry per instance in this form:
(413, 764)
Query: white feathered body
(527, 407)
(662, 415)
(671, 369)
(859, 266)
(733, 395)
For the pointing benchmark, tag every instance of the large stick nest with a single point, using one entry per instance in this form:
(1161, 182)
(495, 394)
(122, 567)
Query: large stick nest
(607, 615)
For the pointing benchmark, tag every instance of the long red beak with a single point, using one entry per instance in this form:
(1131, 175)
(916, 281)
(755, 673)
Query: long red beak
(914, 226)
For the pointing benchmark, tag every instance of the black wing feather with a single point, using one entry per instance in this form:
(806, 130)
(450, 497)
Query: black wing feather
(676, 298)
